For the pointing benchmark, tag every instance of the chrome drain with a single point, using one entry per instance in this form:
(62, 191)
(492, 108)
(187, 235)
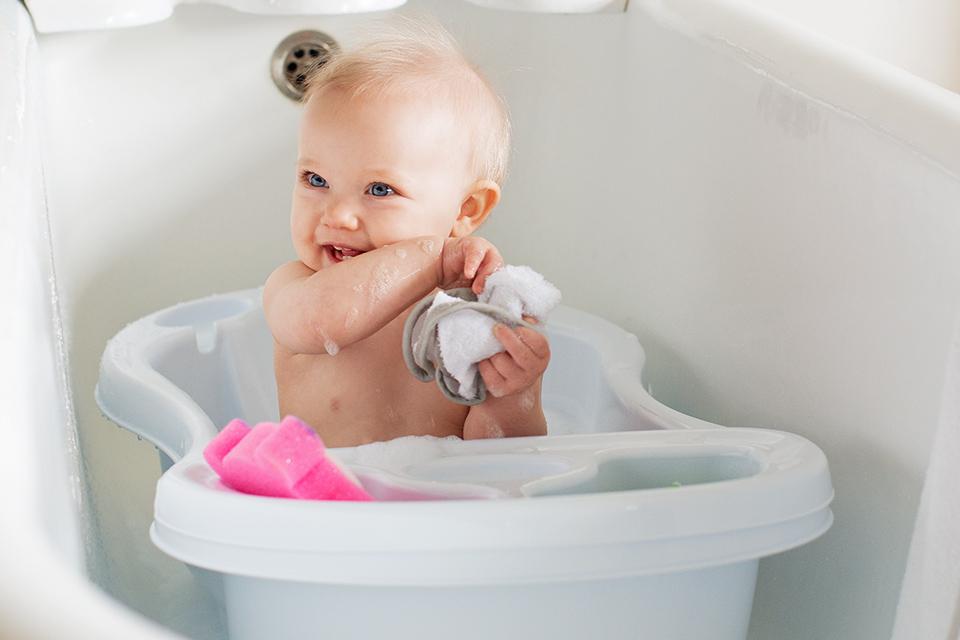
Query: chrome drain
(296, 56)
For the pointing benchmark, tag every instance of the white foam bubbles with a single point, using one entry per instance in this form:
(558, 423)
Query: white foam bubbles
(329, 345)
(382, 282)
(351, 317)
(528, 399)
(332, 347)
(399, 453)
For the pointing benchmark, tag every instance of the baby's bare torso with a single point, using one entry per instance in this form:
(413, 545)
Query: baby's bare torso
(364, 393)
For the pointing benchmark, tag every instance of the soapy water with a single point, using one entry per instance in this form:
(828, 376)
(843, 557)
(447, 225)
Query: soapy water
(494, 430)
(434, 465)
(331, 347)
(411, 274)
(426, 246)
(399, 453)
(351, 317)
(528, 399)
(383, 278)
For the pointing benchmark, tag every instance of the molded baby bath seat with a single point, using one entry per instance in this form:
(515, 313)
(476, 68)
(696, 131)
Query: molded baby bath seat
(630, 520)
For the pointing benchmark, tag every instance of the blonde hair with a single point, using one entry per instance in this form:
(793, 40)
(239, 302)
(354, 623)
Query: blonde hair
(409, 55)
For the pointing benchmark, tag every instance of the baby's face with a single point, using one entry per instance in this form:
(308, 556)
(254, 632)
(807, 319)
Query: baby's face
(372, 172)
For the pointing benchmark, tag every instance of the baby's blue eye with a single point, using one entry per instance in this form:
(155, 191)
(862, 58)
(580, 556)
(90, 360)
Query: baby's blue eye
(316, 181)
(380, 189)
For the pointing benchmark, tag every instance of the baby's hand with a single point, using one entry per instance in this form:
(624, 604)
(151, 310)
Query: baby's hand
(520, 366)
(468, 261)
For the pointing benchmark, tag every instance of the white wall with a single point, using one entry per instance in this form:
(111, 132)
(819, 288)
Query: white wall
(786, 263)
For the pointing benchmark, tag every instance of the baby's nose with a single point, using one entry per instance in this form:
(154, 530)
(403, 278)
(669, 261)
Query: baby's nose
(340, 215)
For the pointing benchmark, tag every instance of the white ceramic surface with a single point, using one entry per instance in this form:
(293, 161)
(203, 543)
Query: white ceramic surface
(553, 6)
(51, 16)
(921, 37)
(47, 527)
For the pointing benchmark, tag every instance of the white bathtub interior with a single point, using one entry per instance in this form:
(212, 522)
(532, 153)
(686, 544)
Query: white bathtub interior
(923, 38)
(786, 259)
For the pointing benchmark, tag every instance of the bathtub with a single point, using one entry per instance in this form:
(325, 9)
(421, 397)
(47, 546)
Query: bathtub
(776, 221)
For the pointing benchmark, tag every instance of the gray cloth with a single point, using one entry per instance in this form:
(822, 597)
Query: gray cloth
(421, 347)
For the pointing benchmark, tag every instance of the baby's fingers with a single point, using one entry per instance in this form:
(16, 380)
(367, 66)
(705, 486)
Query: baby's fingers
(472, 262)
(492, 378)
(537, 342)
(491, 262)
(529, 349)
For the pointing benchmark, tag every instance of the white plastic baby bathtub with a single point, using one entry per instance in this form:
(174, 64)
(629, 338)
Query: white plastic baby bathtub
(630, 520)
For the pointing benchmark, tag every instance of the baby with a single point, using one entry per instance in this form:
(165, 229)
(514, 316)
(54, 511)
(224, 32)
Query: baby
(402, 152)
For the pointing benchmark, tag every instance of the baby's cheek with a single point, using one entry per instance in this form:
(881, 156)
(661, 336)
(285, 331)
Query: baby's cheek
(383, 229)
(303, 225)
(432, 219)
(393, 232)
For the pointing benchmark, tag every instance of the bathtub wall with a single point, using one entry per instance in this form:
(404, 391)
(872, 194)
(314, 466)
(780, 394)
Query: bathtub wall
(48, 527)
(782, 250)
(786, 264)
(922, 37)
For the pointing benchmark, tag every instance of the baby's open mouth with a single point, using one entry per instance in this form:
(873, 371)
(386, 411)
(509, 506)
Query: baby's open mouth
(339, 254)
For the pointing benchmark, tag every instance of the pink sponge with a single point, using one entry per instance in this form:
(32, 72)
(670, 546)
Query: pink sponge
(286, 460)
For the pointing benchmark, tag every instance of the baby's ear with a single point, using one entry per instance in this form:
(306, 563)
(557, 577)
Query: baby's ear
(476, 206)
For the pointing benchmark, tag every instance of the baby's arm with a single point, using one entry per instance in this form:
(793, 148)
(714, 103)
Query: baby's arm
(323, 311)
(513, 379)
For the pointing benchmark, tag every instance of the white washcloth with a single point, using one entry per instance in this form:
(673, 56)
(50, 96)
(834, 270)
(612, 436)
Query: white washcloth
(466, 337)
